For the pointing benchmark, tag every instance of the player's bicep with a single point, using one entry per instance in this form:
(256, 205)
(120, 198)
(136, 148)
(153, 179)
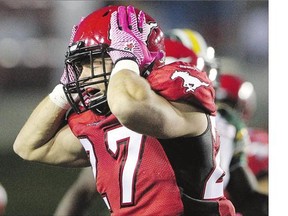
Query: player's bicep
(64, 149)
(180, 119)
(163, 119)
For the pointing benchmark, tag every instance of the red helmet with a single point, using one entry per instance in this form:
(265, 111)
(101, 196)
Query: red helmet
(238, 93)
(258, 152)
(91, 39)
(176, 51)
(94, 30)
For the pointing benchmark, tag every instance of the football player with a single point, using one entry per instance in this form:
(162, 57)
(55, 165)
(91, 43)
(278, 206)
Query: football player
(148, 129)
(258, 156)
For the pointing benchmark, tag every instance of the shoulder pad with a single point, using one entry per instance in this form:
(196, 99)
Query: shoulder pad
(181, 81)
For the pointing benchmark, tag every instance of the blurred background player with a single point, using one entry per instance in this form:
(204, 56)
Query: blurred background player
(258, 157)
(242, 186)
(240, 95)
(236, 101)
(3, 200)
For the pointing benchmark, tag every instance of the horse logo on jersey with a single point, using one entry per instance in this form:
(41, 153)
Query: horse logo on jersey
(190, 82)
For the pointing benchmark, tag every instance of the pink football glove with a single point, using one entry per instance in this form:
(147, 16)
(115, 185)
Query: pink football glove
(68, 73)
(128, 34)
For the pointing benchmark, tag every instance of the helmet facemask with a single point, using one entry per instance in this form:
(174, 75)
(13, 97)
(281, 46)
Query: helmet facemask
(88, 98)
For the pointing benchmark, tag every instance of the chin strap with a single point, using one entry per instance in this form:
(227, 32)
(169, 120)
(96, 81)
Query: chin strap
(148, 71)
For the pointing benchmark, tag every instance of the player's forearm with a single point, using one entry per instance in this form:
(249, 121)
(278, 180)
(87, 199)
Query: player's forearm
(39, 129)
(133, 102)
(126, 92)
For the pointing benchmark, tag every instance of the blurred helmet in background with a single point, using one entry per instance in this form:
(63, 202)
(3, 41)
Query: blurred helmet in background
(206, 54)
(176, 51)
(237, 93)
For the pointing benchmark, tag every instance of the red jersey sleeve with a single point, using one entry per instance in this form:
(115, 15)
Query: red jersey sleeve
(181, 81)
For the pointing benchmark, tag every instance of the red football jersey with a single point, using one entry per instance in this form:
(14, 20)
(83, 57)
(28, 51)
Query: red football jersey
(132, 171)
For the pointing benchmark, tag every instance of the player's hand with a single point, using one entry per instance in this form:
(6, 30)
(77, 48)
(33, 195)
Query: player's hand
(128, 34)
(69, 74)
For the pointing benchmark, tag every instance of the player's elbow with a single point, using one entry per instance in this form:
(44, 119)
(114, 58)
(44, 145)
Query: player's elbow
(123, 111)
(19, 150)
(128, 105)
(22, 151)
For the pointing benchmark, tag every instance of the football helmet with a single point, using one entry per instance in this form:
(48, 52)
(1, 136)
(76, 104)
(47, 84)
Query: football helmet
(90, 40)
(176, 51)
(206, 54)
(238, 93)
